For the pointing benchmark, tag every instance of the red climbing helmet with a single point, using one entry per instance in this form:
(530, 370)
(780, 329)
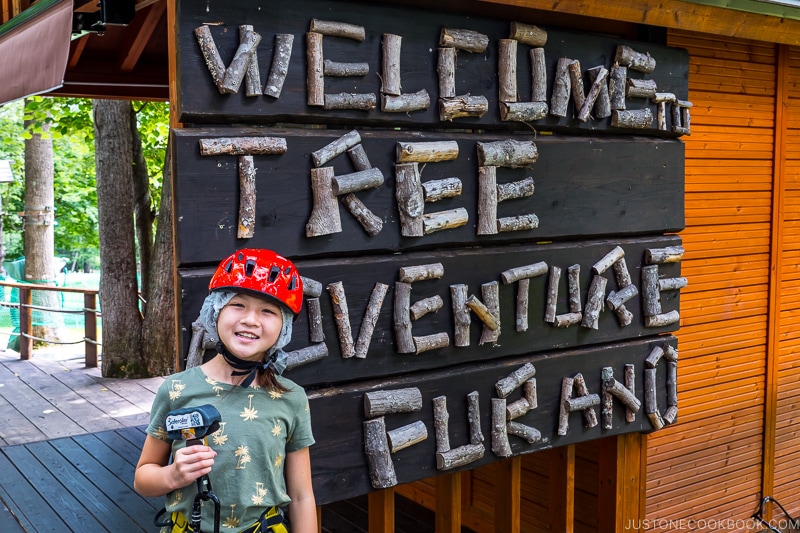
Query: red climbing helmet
(262, 272)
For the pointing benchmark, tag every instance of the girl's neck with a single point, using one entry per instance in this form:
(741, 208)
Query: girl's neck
(219, 370)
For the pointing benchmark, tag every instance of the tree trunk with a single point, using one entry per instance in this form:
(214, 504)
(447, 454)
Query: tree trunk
(143, 212)
(159, 347)
(122, 320)
(38, 235)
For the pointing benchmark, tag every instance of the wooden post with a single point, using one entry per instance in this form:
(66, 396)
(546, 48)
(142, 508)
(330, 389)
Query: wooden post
(381, 511)
(562, 489)
(90, 328)
(25, 324)
(623, 463)
(448, 503)
(507, 503)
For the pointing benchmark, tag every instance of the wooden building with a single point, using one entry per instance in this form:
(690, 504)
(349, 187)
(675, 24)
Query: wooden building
(720, 181)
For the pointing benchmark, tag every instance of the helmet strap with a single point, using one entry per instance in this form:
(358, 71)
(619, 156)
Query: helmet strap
(242, 367)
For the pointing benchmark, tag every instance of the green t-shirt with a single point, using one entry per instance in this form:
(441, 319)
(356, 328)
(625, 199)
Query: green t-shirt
(258, 428)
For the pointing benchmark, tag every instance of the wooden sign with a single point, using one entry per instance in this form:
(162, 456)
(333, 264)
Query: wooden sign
(574, 187)
(378, 434)
(483, 212)
(320, 61)
(387, 315)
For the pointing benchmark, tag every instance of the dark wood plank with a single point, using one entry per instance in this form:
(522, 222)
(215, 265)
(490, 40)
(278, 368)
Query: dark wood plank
(16, 427)
(119, 461)
(93, 501)
(108, 396)
(27, 505)
(61, 501)
(585, 187)
(69, 393)
(127, 442)
(341, 468)
(46, 416)
(476, 73)
(96, 470)
(471, 267)
(8, 522)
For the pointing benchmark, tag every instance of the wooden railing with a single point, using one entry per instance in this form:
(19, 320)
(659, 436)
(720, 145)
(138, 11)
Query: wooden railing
(25, 305)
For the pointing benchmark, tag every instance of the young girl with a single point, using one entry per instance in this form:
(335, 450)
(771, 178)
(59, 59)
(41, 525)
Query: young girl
(258, 459)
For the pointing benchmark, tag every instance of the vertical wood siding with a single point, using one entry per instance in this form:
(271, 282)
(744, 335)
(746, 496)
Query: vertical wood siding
(709, 465)
(787, 431)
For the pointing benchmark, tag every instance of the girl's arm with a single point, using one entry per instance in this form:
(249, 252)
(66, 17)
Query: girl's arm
(156, 476)
(303, 508)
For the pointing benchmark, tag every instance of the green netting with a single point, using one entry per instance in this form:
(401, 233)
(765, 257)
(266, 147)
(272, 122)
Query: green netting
(9, 316)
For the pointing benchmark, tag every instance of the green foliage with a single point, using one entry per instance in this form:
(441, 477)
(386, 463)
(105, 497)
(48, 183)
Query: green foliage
(72, 131)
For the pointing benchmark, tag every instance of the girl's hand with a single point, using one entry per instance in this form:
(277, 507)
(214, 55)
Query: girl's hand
(190, 463)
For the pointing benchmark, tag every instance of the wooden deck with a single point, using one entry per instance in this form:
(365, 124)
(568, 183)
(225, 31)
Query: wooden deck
(69, 442)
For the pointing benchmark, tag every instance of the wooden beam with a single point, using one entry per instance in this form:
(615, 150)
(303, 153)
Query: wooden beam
(381, 511)
(507, 504)
(562, 489)
(76, 52)
(133, 49)
(448, 503)
(675, 14)
(776, 259)
(631, 479)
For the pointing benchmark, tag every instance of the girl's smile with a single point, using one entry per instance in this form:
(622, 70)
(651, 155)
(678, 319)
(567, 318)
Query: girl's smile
(249, 326)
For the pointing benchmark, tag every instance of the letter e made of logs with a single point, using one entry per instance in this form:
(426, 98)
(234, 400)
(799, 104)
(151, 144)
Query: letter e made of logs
(245, 148)
(318, 67)
(412, 194)
(653, 285)
(405, 312)
(504, 154)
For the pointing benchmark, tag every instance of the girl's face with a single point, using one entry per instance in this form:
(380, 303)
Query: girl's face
(249, 326)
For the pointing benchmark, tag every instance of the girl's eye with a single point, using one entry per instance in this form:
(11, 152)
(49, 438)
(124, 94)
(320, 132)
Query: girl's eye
(268, 311)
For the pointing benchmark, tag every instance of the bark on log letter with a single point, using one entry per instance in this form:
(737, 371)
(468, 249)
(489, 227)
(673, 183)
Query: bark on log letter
(315, 80)
(335, 148)
(338, 29)
(324, 218)
(281, 56)
(507, 70)
(236, 71)
(559, 99)
(528, 34)
(376, 446)
(247, 197)
(507, 153)
(342, 318)
(467, 40)
(371, 315)
(210, 53)
(387, 402)
(446, 70)
(616, 87)
(410, 199)
(252, 77)
(390, 80)
(640, 62)
(426, 152)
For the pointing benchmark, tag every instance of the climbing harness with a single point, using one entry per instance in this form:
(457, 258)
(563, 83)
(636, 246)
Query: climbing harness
(273, 520)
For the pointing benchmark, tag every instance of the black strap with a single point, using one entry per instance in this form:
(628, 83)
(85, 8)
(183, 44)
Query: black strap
(244, 367)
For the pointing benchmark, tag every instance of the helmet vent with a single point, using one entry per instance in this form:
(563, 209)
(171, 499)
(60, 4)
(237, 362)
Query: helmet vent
(228, 267)
(273, 273)
(287, 271)
(249, 267)
(293, 283)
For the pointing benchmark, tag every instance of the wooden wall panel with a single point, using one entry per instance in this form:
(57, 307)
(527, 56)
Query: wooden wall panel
(710, 464)
(787, 452)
